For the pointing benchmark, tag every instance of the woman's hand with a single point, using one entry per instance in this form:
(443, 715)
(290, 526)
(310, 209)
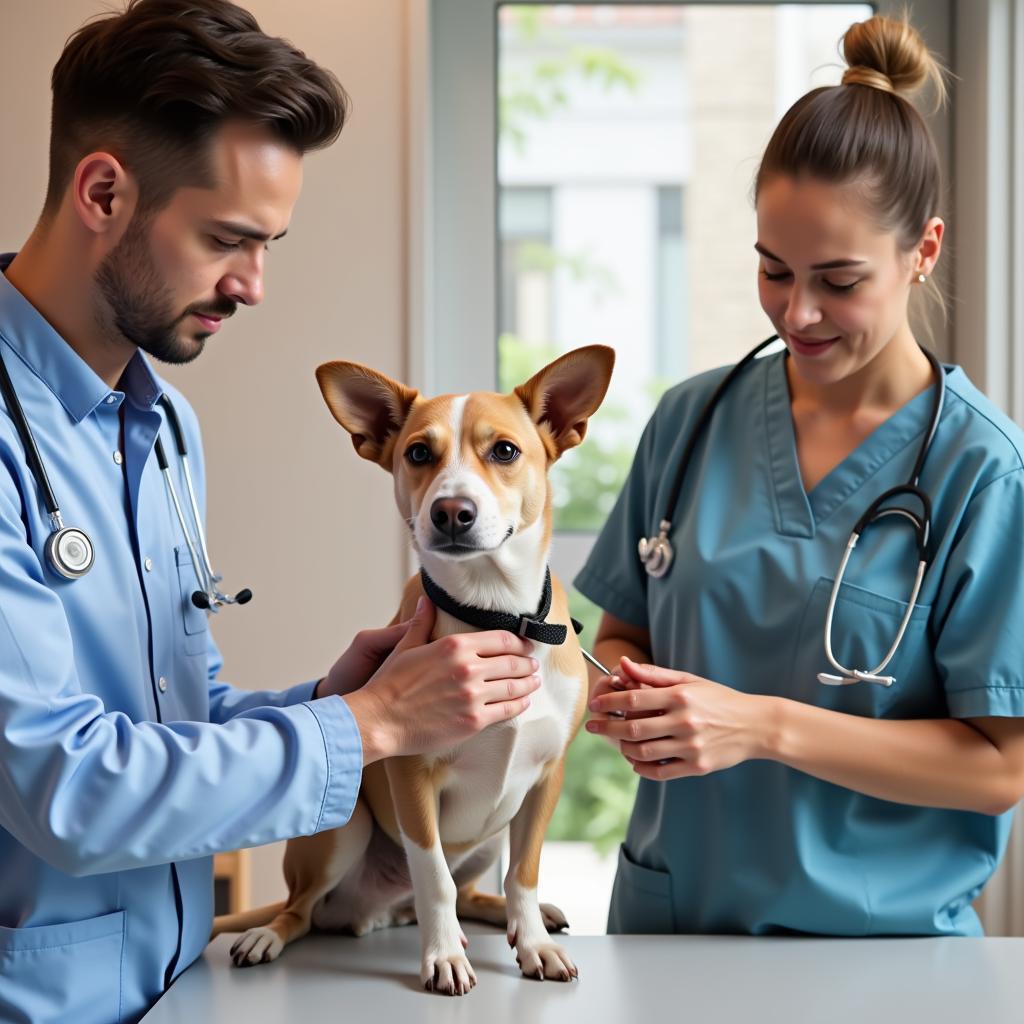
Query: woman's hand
(679, 725)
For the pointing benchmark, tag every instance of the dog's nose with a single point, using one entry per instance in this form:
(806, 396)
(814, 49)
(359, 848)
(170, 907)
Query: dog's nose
(453, 515)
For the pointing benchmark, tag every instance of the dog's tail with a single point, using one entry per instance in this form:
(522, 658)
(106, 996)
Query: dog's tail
(246, 919)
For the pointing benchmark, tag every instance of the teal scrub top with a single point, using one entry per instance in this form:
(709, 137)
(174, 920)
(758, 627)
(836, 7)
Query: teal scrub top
(763, 848)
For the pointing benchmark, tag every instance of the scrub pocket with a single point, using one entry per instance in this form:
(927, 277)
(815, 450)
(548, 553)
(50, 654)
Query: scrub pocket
(195, 619)
(62, 972)
(864, 626)
(641, 900)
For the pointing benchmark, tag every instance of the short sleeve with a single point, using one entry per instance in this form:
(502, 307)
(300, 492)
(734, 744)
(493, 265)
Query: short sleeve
(613, 576)
(979, 648)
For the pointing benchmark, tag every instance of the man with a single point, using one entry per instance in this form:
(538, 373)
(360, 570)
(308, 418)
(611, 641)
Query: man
(178, 135)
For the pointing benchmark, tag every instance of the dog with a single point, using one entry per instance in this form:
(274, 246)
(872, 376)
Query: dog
(471, 479)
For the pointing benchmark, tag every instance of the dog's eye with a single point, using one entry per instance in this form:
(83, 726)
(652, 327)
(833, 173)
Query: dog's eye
(419, 454)
(504, 451)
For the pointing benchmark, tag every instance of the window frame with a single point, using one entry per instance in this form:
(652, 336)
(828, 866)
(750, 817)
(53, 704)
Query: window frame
(453, 183)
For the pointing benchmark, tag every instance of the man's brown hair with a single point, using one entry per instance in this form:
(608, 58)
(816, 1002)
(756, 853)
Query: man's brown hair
(152, 84)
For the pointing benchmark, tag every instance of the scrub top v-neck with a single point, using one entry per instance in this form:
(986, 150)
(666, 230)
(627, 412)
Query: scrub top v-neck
(761, 847)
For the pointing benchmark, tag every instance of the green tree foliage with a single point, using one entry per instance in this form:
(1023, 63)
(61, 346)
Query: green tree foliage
(536, 93)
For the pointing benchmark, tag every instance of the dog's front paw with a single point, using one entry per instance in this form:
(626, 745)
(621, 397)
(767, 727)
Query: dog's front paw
(451, 974)
(545, 959)
(256, 946)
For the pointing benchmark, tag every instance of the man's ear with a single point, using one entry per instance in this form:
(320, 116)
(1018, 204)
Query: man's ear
(567, 392)
(370, 406)
(104, 194)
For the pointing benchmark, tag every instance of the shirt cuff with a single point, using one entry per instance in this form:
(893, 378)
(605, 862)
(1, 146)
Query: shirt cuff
(299, 694)
(344, 748)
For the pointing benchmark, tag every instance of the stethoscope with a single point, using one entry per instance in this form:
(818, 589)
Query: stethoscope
(656, 553)
(69, 551)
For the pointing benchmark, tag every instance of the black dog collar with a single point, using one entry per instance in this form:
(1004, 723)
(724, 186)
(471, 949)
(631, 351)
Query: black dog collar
(533, 627)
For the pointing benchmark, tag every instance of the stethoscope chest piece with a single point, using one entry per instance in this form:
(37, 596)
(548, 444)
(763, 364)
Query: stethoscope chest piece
(656, 552)
(69, 552)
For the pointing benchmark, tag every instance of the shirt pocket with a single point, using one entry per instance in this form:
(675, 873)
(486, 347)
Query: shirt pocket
(641, 901)
(194, 619)
(62, 972)
(864, 626)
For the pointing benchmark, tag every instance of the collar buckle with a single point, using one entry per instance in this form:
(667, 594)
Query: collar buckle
(525, 622)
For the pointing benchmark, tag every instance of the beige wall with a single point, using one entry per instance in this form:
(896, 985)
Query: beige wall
(293, 513)
(733, 117)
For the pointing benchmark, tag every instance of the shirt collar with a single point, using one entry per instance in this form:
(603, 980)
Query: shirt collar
(74, 383)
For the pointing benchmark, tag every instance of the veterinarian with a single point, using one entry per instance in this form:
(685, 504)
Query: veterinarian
(792, 781)
(177, 139)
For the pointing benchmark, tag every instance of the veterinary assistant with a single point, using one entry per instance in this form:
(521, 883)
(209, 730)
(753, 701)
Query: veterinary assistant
(769, 802)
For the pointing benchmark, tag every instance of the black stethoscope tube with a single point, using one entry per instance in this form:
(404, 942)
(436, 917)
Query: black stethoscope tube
(35, 462)
(684, 462)
(709, 408)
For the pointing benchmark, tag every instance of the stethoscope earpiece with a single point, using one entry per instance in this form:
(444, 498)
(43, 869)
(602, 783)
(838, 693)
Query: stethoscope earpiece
(202, 600)
(207, 597)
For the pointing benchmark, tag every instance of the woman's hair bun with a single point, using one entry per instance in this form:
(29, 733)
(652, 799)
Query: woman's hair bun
(889, 54)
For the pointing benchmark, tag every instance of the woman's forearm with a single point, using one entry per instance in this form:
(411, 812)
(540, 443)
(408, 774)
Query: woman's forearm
(927, 762)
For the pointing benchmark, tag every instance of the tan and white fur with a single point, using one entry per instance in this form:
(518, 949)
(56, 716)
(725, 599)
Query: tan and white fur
(425, 828)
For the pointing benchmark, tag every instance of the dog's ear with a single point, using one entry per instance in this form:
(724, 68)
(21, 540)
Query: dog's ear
(370, 406)
(567, 392)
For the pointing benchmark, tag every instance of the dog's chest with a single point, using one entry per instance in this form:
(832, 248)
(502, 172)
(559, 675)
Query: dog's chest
(488, 777)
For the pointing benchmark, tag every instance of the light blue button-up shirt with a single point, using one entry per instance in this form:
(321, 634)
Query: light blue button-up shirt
(762, 847)
(115, 789)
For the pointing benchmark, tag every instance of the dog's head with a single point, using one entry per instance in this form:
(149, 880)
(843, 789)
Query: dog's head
(470, 470)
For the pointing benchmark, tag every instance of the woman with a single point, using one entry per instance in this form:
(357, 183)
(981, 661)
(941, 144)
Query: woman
(770, 802)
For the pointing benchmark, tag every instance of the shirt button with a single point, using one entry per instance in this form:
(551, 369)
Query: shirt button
(118, 458)
(148, 563)
(111, 399)
(162, 683)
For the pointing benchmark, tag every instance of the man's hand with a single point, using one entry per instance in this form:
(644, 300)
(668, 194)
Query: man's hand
(429, 696)
(364, 656)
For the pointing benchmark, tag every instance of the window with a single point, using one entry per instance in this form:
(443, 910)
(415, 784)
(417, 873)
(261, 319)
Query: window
(592, 170)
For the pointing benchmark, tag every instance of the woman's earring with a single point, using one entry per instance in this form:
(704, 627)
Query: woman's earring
(921, 278)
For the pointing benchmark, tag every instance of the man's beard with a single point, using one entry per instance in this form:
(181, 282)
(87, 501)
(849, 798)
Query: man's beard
(140, 307)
